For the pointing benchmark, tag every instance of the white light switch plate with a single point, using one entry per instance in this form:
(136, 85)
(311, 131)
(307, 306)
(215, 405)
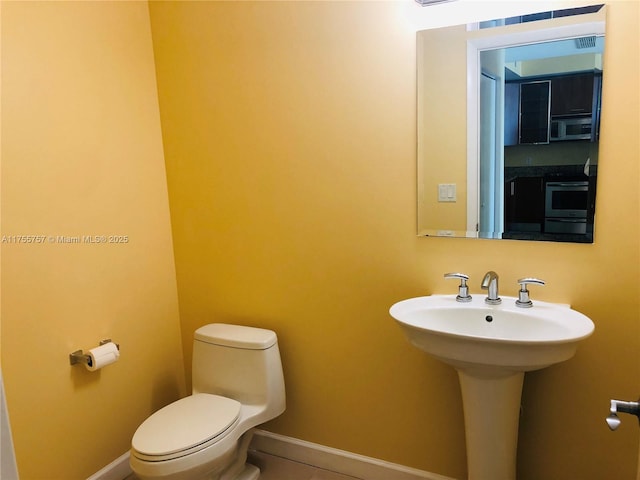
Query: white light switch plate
(447, 192)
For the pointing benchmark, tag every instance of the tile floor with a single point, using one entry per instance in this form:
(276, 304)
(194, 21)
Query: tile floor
(277, 468)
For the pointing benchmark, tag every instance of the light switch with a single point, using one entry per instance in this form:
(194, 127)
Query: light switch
(447, 192)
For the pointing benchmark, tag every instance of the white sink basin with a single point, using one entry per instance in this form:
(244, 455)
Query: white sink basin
(475, 335)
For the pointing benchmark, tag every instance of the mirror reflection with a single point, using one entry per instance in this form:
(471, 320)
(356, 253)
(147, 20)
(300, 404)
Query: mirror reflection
(508, 124)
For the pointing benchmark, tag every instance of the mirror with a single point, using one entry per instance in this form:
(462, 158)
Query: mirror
(508, 127)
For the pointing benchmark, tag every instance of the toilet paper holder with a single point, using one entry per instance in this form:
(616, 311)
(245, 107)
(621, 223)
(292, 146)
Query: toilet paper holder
(80, 357)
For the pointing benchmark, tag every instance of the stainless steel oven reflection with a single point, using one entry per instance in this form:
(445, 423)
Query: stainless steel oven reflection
(565, 207)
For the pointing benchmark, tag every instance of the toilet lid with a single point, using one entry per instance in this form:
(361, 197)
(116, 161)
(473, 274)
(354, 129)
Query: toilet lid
(187, 423)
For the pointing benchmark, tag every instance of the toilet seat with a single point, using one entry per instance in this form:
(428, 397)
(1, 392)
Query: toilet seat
(185, 427)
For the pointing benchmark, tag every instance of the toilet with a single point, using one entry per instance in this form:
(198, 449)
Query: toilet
(237, 385)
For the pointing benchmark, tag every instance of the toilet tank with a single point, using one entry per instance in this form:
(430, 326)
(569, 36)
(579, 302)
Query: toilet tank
(239, 362)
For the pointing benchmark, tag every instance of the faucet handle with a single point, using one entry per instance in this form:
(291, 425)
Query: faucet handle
(463, 290)
(523, 295)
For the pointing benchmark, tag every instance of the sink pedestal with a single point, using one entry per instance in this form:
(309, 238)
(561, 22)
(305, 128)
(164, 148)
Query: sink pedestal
(491, 402)
(491, 346)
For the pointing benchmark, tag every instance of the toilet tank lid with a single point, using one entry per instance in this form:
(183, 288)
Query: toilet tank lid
(237, 336)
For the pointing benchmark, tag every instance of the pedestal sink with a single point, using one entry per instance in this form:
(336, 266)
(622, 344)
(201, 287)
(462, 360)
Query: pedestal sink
(491, 346)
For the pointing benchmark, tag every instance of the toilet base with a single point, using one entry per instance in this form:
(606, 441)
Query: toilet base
(250, 472)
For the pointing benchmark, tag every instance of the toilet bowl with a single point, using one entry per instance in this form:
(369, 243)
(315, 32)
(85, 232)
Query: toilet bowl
(237, 384)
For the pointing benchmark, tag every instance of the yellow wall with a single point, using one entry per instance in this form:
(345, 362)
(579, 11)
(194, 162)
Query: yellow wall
(82, 155)
(289, 133)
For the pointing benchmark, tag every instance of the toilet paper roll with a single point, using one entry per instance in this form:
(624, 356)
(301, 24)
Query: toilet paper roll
(103, 355)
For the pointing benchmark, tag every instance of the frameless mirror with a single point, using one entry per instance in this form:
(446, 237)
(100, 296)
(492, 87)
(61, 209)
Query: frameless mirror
(508, 127)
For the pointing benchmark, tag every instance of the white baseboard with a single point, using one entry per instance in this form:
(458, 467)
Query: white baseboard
(338, 461)
(119, 469)
(319, 456)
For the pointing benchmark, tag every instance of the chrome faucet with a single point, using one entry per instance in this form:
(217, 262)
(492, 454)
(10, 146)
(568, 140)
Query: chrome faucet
(490, 283)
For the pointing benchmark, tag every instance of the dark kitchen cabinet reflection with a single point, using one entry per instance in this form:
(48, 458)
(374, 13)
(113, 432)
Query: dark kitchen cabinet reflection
(524, 204)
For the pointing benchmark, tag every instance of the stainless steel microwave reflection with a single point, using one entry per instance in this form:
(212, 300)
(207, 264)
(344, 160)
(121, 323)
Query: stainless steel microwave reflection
(577, 128)
(468, 125)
